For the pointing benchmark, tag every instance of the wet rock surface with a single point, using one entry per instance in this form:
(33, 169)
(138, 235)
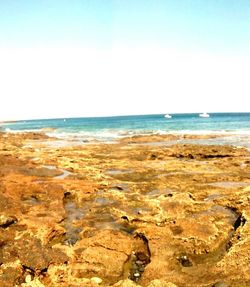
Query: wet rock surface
(123, 214)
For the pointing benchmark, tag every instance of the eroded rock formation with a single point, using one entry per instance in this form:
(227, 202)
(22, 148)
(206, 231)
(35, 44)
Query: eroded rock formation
(123, 214)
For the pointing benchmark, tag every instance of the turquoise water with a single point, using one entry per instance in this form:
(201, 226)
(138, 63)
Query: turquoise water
(108, 128)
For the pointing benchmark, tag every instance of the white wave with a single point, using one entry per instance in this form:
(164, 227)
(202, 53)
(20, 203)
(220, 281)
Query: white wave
(85, 135)
(211, 132)
(9, 130)
(101, 134)
(111, 135)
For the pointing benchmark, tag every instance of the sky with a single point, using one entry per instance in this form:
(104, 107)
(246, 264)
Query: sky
(79, 58)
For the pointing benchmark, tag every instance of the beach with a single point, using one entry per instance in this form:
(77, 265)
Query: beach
(124, 143)
(145, 210)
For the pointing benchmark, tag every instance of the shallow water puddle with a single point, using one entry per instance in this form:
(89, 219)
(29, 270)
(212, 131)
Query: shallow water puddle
(32, 200)
(158, 192)
(215, 211)
(226, 216)
(103, 219)
(119, 171)
(94, 213)
(213, 196)
(64, 174)
(103, 201)
(74, 213)
(140, 210)
(229, 184)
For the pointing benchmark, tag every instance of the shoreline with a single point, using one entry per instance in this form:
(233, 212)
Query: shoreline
(123, 214)
(239, 138)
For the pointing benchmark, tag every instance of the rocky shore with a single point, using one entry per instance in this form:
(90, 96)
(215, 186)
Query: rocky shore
(137, 212)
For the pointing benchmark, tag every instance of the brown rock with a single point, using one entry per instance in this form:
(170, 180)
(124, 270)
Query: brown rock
(160, 283)
(125, 283)
(32, 254)
(6, 221)
(150, 212)
(10, 276)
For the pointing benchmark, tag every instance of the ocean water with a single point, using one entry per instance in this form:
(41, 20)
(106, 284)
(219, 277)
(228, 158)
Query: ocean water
(234, 126)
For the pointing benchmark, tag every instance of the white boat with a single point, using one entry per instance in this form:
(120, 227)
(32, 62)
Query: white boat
(204, 115)
(167, 116)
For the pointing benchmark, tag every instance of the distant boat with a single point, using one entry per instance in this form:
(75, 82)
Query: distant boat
(204, 115)
(167, 116)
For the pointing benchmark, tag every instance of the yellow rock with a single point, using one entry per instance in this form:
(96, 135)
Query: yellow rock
(96, 280)
(126, 283)
(28, 278)
(160, 283)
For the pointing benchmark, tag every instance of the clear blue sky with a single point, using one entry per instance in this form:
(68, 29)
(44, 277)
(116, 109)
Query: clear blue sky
(210, 28)
(199, 24)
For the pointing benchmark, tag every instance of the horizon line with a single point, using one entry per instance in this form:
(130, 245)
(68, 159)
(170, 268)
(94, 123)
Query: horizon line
(115, 116)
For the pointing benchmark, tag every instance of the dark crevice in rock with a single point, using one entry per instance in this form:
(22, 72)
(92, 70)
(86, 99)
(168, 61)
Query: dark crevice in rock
(145, 240)
(153, 156)
(240, 222)
(118, 187)
(67, 195)
(239, 219)
(125, 217)
(137, 267)
(234, 219)
(6, 221)
(44, 271)
(28, 271)
(139, 259)
(215, 156)
(200, 156)
(184, 261)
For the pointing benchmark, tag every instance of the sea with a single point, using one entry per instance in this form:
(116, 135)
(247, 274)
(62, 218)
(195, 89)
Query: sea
(234, 127)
